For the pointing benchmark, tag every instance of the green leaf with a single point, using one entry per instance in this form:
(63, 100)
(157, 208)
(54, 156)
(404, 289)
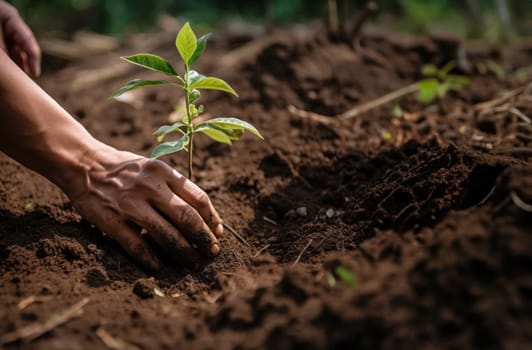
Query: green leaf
(429, 70)
(427, 90)
(201, 44)
(167, 129)
(194, 77)
(138, 83)
(186, 43)
(153, 62)
(234, 134)
(214, 133)
(346, 276)
(169, 147)
(442, 89)
(193, 96)
(212, 83)
(232, 124)
(397, 111)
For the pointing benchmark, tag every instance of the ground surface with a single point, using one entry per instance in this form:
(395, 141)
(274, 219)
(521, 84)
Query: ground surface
(428, 210)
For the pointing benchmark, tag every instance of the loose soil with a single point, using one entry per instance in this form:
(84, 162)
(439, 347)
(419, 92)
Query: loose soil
(428, 210)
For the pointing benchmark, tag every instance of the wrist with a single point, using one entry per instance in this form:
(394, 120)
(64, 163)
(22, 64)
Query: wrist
(72, 167)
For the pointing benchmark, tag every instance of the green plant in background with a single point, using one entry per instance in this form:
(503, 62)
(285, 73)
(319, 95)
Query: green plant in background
(439, 82)
(224, 130)
(344, 275)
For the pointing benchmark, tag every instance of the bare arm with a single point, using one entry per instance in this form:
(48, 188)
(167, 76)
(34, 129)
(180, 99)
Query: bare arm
(117, 191)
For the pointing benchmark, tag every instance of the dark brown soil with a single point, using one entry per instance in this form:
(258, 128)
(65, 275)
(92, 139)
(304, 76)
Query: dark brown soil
(428, 210)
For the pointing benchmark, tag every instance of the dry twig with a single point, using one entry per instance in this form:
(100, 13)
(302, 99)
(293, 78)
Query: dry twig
(302, 252)
(237, 235)
(112, 342)
(261, 250)
(36, 330)
(24, 303)
(392, 96)
(520, 114)
(500, 100)
(267, 219)
(356, 111)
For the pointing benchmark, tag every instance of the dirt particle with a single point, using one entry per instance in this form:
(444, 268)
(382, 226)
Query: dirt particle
(4, 252)
(28, 315)
(302, 211)
(97, 277)
(134, 314)
(70, 249)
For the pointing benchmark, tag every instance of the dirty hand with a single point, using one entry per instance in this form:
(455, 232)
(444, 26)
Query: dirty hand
(17, 40)
(125, 193)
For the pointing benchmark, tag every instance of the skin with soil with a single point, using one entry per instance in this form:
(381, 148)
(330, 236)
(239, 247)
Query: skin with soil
(427, 221)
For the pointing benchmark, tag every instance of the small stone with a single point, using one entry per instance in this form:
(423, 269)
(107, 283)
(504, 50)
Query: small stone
(329, 213)
(302, 211)
(144, 287)
(291, 214)
(273, 239)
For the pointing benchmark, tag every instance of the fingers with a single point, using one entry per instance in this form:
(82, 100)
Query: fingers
(168, 237)
(129, 237)
(189, 222)
(19, 34)
(20, 58)
(198, 199)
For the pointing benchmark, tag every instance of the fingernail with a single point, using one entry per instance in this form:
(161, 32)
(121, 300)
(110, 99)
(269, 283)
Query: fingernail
(219, 229)
(215, 249)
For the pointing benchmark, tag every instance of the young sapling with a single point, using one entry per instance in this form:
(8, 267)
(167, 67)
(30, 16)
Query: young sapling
(438, 82)
(344, 275)
(224, 129)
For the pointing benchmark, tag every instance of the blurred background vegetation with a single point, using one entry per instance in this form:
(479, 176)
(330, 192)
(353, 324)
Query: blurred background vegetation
(489, 19)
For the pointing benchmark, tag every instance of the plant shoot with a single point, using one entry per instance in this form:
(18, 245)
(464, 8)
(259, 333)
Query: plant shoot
(438, 82)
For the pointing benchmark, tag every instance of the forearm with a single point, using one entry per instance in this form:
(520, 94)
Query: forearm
(38, 132)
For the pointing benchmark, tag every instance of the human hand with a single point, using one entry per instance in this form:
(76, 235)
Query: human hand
(17, 40)
(125, 193)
